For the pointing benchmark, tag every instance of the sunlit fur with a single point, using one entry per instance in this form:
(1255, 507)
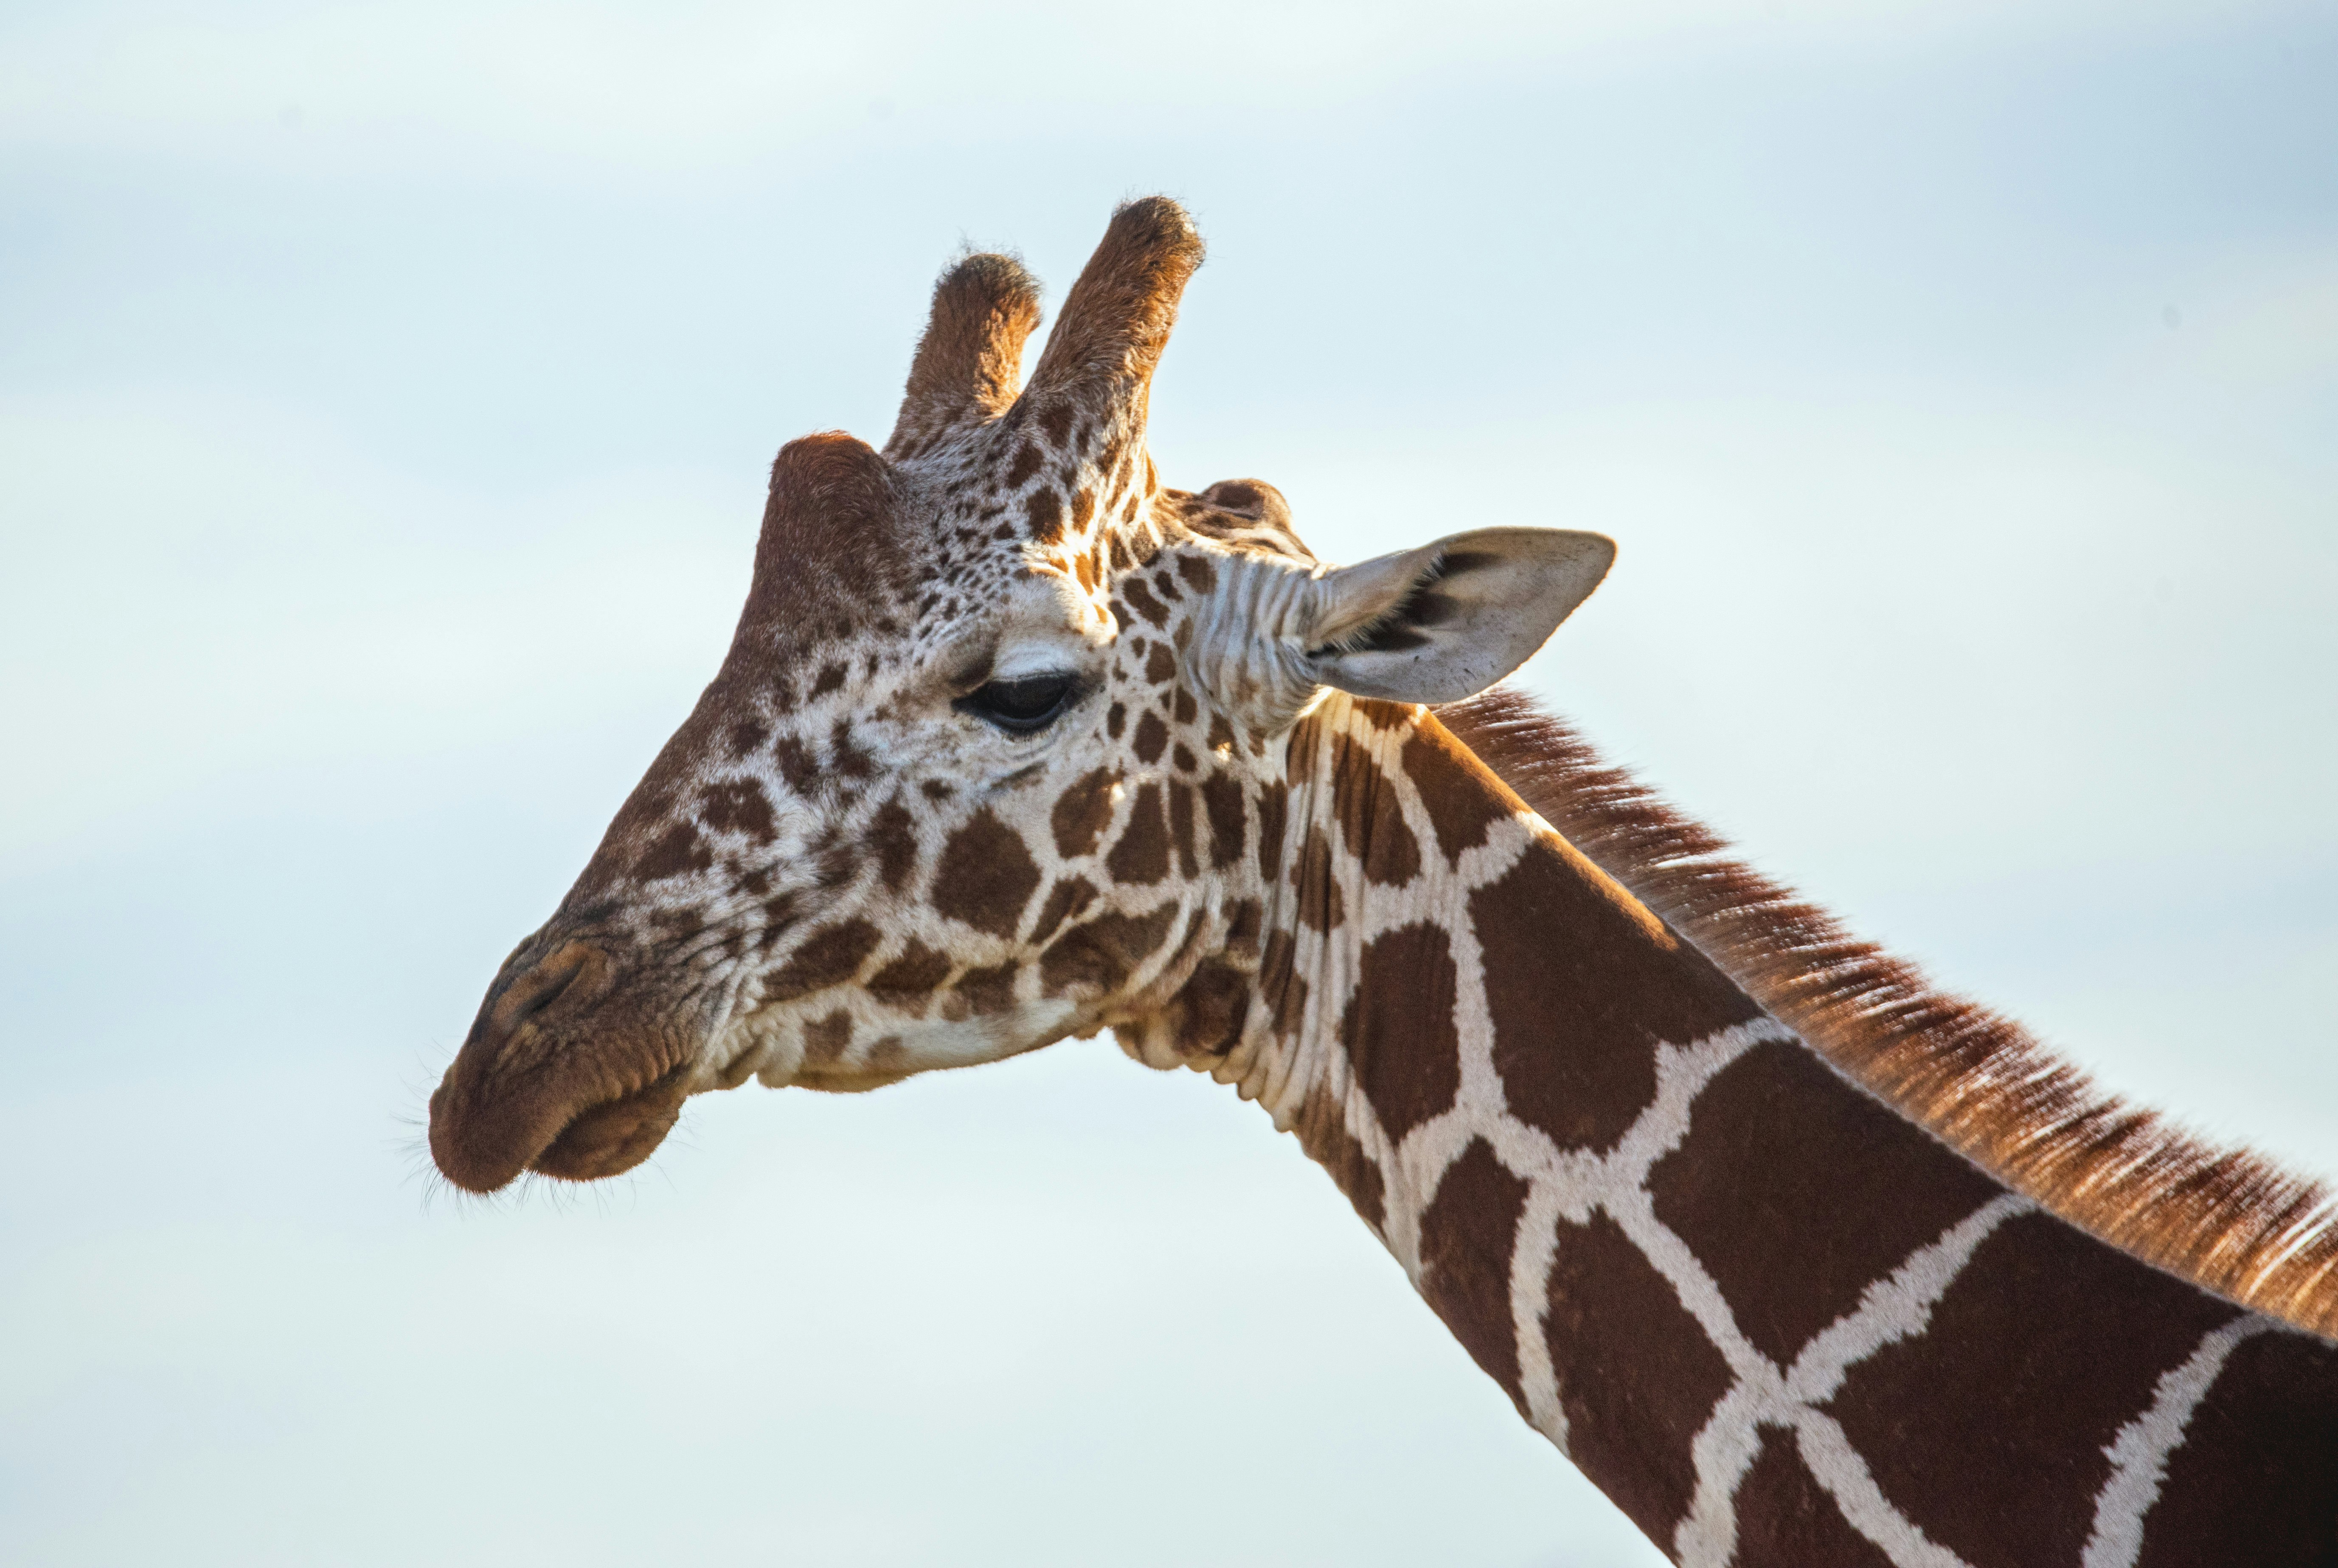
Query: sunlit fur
(2227, 1219)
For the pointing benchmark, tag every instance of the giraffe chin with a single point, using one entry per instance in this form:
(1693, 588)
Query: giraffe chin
(612, 1138)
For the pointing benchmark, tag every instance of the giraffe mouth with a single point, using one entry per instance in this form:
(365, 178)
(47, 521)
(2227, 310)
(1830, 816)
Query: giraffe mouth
(613, 1137)
(483, 1142)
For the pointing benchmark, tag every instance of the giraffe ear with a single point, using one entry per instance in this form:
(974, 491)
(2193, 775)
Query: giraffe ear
(1447, 620)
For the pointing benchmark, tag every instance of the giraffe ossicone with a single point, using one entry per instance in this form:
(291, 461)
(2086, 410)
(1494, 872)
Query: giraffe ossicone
(1015, 743)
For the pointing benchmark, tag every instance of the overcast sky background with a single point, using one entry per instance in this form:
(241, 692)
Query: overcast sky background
(386, 396)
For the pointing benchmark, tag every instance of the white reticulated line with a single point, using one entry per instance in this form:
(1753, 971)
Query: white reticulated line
(1838, 1467)
(1897, 1305)
(1895, 1308)
(2139, 1453)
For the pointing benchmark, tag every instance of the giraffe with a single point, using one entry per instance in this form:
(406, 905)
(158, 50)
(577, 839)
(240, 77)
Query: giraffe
(1799, 1261)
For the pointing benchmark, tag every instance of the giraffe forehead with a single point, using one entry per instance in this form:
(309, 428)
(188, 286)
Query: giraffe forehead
(841, 691)
(1065, 490)
(1054, 478)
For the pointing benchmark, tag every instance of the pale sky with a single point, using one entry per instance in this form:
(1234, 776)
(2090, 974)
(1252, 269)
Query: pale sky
(386, 396)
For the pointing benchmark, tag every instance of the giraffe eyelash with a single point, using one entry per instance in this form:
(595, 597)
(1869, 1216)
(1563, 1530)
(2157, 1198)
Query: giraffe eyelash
(1023, 704)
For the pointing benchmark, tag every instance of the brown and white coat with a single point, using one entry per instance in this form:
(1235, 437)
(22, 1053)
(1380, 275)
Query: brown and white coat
(1802, 1263)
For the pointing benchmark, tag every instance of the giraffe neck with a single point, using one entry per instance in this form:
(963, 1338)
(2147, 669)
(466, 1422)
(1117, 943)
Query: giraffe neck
(1773, 1320)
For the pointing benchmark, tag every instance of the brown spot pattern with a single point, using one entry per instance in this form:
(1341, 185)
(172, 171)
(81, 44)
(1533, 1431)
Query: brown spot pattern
(825, 1039)
(1082, 813)
(2262, 1448)
(916, 972)
(1181, 827)
(1243, 925)
(828, 956)
(986, 876)
(1325, 1136)
(1065, 900)
(1221, 807)
(2021, 1337)
(1140, 856)
(1321, 903)
(1205, 1016)
(1141, 599)
(1467, 1233)
(989, 990)
(1152, 738)
(893, 833)
(844, 757)
(1102, 953)
(676, 852)
(1459, 805)
(1398, 1027)
(1783, 1516)
(1199, 574)
(1045, 509)
(738, 806)
(795, 762)
(1637, 1375)
(1273, 817)
(1371, 820)
(1755, 1188)
(1281, 983)
(1300, 750)
(1575, 1022)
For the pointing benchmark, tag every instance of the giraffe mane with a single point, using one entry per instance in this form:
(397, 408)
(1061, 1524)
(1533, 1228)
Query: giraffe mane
(2227, 1219)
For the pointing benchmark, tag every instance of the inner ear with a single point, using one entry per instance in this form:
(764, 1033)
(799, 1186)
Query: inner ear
(1447, 620)
(1360, 608)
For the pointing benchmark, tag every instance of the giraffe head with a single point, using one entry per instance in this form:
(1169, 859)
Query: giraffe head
(996, 756)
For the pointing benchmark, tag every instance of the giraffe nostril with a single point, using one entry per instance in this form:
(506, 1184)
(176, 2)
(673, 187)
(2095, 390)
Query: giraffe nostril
(537, 989)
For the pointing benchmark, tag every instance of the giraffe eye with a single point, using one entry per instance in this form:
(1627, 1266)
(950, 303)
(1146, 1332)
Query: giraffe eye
(1022, 705)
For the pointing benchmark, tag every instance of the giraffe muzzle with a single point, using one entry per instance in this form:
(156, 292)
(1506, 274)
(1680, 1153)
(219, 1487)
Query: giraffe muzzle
(559, 1075)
